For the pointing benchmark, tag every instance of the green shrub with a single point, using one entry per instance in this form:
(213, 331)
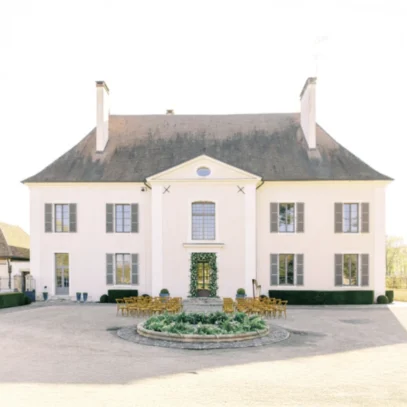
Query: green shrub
(304, 297)
(27, 300)
(104, 299)
(263, 296)
(390, 295)
(164, 291)
(382, 299)
(241, 291)
(114, 294)
(8, 300)
(146, 295)
(216, 323)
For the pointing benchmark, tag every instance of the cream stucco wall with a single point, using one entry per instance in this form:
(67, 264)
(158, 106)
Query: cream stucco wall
(243, 240)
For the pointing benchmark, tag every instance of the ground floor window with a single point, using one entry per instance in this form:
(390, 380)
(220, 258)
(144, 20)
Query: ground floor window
(351, 269)
(122, 269)
(123, 272)
(62, 273)
(286, 269)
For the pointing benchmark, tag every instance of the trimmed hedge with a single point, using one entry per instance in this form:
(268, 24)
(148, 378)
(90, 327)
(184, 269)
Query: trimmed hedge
(390, 295)
(382, 299)
(302, 297)
(113, 294)
(104, 299)
(8, 300)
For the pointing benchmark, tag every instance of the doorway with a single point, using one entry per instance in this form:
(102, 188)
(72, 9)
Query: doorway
(61, 274)
(203, 279)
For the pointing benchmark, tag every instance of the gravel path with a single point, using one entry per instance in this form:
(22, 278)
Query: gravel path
(69, 355)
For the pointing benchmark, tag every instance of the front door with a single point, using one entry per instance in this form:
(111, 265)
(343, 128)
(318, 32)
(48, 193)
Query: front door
(203, 279)
(62, 274)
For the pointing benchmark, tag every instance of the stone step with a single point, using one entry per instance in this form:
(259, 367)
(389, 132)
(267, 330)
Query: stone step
(202, 304)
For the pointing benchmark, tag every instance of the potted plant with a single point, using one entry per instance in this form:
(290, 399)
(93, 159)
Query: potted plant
(164, 293)
(85, 297)
(241, 293)
(78, 297)
(45, 294)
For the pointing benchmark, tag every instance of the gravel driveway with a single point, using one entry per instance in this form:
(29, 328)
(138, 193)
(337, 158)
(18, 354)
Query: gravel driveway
(70, 355)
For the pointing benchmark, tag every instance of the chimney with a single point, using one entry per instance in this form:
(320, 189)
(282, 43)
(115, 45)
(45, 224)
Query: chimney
(170, 111)
(102, 115)
(308, 117)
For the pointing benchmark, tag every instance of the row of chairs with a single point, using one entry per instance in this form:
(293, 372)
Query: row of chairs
(268, 307)
(146, 306)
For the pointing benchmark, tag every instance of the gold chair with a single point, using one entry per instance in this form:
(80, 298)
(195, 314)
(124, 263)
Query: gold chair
(120, 306)
(282, 308)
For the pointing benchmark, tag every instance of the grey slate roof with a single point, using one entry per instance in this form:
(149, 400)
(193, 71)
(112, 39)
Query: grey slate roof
(14, 242)
(269, 145)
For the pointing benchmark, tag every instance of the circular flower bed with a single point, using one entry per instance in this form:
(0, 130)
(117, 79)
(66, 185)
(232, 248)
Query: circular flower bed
(197, 327)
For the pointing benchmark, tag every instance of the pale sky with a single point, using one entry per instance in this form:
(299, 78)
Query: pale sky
(200, 57)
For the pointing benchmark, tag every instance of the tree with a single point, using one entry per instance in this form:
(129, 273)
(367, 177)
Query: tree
(396, 256)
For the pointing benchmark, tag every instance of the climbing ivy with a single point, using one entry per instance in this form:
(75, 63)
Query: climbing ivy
(213, 277)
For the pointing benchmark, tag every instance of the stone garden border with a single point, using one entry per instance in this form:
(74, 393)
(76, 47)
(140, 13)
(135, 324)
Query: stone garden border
(200, 338)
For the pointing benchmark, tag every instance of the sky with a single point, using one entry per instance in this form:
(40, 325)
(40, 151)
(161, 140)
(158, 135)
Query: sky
(200, 57)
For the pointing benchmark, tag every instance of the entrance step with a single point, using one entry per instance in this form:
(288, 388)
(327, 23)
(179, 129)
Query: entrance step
(202, 304)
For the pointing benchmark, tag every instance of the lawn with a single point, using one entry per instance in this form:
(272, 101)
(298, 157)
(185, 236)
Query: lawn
(400, 294)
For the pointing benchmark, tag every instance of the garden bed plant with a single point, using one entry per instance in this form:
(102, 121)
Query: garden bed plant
(216, 323)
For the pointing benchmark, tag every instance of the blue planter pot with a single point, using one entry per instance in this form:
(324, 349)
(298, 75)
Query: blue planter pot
(85, 297)
(78, 297)
(240, 295)
(164, 295)
(45, 296)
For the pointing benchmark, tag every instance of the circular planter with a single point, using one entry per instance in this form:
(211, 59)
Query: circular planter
(200, 338)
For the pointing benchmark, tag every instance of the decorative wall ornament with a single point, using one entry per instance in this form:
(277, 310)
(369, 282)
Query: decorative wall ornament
(213, 277)
(240, 189)
(167, 189)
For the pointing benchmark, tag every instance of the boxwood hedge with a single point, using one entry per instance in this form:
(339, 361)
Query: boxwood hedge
(390, 295)
(8, 300)
(113, 294)
(304, 297)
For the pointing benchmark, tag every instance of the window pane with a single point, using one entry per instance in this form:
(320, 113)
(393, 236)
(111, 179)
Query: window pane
(203, 221)
(282, 268)
(354, 217)
(346, 269)
(126, 269)
(282, 217)
(61, 259)
(119, 268)
(290, 268)
(66, 277)
(346, 218)
(354, 269)
(59, 277)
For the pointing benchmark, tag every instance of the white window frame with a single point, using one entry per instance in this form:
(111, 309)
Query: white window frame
(189, 239)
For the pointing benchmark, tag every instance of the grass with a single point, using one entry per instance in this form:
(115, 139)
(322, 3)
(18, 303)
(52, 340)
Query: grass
(400, 294)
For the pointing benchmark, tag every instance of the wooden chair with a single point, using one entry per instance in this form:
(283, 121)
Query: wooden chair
(121, 306)
(282, 308)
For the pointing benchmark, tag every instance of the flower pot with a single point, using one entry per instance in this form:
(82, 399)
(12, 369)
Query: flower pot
(45, 296)
(85, 297)
(240, 295)
(164, 295)
(78, 297)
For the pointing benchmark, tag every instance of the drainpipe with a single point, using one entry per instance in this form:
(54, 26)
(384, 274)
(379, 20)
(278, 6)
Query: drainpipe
(9, 273)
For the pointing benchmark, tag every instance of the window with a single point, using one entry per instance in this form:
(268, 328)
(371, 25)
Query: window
(203, 171)
(123, 218)
(61, 273)
(287, 269)
(350, 218)
(62, 218)
(286, 217)
(123, 269)
(350, 269)
(203, 221)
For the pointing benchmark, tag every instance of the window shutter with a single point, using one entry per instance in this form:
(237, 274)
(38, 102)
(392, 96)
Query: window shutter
(72, 218)
(134, 269)
(338, 269)
(274, 269)
(365, 269)
(300, 217)
(48, 218)
(338, 217)
(109, 218)
(365, 217)
(109, 269)
(300, 269)
(273, 217)
(134, 218)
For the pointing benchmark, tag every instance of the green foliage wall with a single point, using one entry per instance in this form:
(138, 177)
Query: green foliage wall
(8, 300)
(113, 294)
(213, 279)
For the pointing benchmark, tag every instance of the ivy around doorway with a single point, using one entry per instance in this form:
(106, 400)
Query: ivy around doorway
(213, 281)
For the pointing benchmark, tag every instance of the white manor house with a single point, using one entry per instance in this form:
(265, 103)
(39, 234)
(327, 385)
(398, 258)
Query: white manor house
(143, 200)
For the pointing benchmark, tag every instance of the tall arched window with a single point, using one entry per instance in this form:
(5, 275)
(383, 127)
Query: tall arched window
(203, 221)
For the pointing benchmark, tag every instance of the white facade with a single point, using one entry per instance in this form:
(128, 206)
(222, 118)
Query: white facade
(243, 240)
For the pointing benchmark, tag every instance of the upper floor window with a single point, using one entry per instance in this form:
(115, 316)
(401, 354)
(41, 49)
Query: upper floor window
(122, 218)
(203, 221)
(60, 218)
(351, 217)
(286, 217)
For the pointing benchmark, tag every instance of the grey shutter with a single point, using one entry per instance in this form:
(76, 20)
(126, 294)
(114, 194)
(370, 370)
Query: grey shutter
(134, 218)
(72, 217)
(48, 218)
(109, 218)
(365, 269)
(300, 269)
(273, 269)
(300, 217)
(134, 269)
(365, 217)
(338, 217)
(273, 217)
(109, 269)
(338, 269)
